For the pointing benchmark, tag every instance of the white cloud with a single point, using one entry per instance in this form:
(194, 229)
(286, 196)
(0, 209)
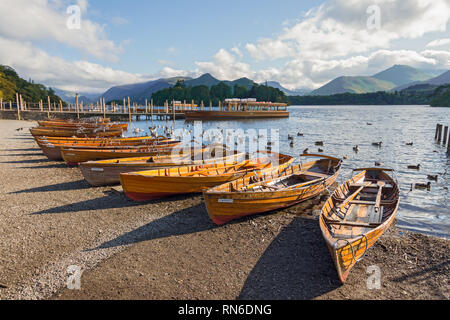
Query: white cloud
(339, 28)
(46, 20)
(439, 43)
(83, 76)
(224, 66)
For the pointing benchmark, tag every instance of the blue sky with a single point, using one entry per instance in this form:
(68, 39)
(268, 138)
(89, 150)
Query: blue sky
(301, 44)
(196, 30)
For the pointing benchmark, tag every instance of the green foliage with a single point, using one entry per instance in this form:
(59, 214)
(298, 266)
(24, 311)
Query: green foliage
(10, 83)
(375, 98)
(216, 93)
(441, 97)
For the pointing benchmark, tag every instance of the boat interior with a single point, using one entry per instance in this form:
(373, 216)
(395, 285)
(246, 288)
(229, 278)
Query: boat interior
(361, 204)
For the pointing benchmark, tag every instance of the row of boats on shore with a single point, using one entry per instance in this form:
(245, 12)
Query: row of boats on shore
(234, 184)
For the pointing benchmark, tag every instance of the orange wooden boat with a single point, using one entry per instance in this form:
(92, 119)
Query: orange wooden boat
(81, 120)
(49, 132)
(53, 150)
(75, 156)
(93, 140)
(154, 184)
(76, 125)
(107, 172)
(357, 214)
(272, 190)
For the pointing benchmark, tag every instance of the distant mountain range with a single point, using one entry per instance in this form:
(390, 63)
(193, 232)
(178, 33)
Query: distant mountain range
(138, 92)
(396, 78)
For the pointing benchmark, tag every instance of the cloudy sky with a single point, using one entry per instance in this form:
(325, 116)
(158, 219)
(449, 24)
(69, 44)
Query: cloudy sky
(89, 46)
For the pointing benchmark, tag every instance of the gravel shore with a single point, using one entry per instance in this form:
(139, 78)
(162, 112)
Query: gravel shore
(51, 219)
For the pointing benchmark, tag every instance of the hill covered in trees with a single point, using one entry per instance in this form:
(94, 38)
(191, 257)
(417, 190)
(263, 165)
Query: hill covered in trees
(10, 83)
(441, 97)
(374, 98)
(216, 93)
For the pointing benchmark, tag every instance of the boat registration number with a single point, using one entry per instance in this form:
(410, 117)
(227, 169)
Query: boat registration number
(97, 169)
(225, 200)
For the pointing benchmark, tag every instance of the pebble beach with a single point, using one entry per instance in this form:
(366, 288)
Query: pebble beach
(51, 219)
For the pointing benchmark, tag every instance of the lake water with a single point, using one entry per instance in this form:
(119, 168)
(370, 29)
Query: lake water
(343, 127)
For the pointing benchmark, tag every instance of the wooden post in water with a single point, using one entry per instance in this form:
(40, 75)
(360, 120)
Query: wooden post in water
(104, 108)
(129, 109)
(173, 108)
(76, 105)
(445, 135)
(151, 108)
(439, 138)
(146, 106)
(60, 106)
(10, 105)
(48, 111)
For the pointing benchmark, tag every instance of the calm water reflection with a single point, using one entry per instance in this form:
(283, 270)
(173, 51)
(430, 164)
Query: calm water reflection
(342, 127)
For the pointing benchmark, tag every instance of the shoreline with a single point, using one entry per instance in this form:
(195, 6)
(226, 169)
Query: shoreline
(169, 249)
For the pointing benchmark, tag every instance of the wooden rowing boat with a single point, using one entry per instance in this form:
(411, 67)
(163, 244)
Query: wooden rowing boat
(272, 190)
(49, 132)
(76, 156)
(53, 150)
(154, 184)
(357, 214)
(76, 125)
(107, 172)
(89, 141)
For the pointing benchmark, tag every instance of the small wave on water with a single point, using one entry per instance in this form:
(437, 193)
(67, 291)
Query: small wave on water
(343, 127)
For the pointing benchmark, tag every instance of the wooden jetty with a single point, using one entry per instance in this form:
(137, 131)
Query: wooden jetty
(127, 110)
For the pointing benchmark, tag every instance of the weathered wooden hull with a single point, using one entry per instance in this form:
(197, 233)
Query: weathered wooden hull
(148, 185)
(349, 243)
(73, 133)
(88, 125)
(53, 150)
(102, 173)
(76, 156)
(226, 202)
(227, 115)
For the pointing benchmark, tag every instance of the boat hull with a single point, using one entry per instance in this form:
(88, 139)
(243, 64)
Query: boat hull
(228, 115)
(347, 251)
(98, 174)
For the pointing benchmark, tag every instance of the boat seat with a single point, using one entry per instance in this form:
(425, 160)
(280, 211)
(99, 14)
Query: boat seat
(371, 203)
(316, 174)
(372, 185)
(352, 224)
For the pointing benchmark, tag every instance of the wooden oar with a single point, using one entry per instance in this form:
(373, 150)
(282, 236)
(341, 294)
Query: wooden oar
(380, 185)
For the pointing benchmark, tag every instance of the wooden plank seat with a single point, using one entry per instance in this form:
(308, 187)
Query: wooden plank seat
(316, 174)
(352, 223)
(372, 203)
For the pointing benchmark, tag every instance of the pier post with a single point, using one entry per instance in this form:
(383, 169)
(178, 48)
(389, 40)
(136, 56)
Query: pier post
(1, 103)
(151, 109)
(18, 108)
(146, 106)
(210, 105)
(48, 111)
(445, 135)
(448, 145)
(76, 105)
(10, 105)
(129, 109)
(60, 106)
(439, 138)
